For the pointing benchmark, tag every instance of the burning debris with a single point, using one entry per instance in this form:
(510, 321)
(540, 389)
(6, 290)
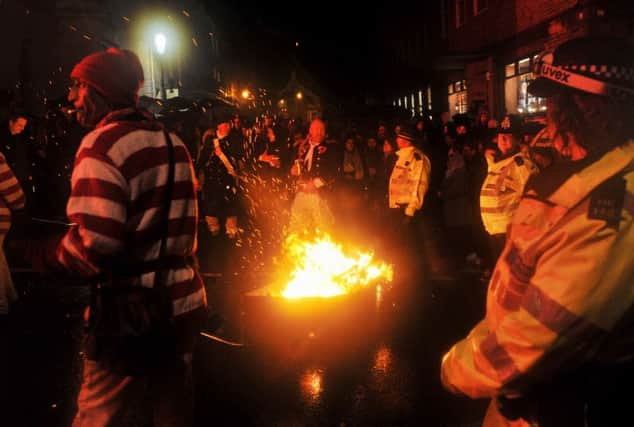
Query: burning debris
(321, 268)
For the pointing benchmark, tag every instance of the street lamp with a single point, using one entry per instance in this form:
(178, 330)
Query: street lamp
(160, 42)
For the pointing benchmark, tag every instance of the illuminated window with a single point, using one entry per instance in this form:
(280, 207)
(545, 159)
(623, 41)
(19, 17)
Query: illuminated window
(413, 101)
(420, 102)
(429, 98)
(458, 99)
(516, 96)
(450, 89)
(461, 13)
(479, 6)
(405, 101)
(399, 102)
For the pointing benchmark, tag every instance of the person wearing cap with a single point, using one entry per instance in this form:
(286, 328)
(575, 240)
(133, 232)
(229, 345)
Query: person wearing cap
(132, 185)
(555, 346)
(407, 185)
(508, 172)
(409, 178)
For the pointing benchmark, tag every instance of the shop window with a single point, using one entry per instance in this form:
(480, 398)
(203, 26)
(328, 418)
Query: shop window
(458, 99)
(516, 96)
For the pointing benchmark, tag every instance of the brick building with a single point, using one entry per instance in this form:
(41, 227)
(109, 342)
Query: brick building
(491, 46)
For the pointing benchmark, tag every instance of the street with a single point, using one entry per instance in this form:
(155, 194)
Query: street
(377, 366)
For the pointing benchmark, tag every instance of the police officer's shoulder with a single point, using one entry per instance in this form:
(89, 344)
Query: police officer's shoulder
(546, 182)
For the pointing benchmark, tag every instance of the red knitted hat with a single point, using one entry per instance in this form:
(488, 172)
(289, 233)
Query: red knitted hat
(116, 74)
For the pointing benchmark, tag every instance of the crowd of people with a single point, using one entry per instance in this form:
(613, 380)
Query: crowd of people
(545, 216)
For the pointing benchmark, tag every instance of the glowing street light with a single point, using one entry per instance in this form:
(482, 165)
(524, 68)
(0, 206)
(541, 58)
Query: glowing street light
(299, 95)
(160, 41)
(246, 94)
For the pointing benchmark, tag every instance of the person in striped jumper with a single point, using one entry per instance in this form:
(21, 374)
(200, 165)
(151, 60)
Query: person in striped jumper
(122, 185)
(11, 199)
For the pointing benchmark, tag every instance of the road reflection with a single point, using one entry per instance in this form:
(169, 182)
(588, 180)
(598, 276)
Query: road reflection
(311, 383)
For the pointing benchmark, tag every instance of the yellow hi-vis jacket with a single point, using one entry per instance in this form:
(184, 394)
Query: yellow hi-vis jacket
(502, 189)
(560, 291)
(409, 180)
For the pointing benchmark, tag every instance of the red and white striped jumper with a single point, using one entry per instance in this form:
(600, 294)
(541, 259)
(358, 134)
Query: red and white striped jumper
(11, 196)
(118, 182)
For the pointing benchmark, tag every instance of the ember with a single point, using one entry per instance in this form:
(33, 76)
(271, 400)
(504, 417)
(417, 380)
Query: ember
(320, 268)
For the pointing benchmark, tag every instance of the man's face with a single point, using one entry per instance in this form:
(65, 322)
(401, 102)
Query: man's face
(17, 126)
(223, 129)
(317, 132)
(89, 105)
(506, 143)
(402, 142)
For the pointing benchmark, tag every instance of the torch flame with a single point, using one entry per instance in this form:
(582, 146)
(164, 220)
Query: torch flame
(323, 270)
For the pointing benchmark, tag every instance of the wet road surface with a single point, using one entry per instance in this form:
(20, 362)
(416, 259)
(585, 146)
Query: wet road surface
(366, 362)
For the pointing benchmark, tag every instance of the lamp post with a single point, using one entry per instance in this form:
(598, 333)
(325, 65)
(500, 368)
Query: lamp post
(160, 42)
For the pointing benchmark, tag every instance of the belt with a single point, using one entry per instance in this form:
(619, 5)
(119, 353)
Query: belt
(123, 271)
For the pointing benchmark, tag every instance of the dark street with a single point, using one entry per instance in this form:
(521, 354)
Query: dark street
(367, 360)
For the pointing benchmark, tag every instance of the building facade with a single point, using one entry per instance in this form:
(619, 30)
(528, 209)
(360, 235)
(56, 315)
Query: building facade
(493, 44)
(43, 40)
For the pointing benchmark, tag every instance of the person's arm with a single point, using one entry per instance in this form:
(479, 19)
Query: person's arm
(420, 173)
(546, 317)
(98, 207)
(10, 189)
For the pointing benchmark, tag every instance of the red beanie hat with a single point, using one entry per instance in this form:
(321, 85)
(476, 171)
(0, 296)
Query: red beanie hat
(116, 74)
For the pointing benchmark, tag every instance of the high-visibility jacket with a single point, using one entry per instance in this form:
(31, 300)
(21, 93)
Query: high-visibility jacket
(502, 189)
(409, 180)
(561, 290)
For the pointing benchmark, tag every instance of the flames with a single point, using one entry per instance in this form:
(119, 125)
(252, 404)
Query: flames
(320, 268)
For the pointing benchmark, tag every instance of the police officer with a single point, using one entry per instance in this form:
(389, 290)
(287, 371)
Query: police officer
(556, 347)
(508, 172)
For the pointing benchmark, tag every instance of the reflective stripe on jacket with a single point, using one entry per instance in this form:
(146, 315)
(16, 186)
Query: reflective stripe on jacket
(409, 180)
(560, 288)
(502, 189)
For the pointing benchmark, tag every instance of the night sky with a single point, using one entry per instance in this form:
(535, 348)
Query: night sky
(335, 39)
